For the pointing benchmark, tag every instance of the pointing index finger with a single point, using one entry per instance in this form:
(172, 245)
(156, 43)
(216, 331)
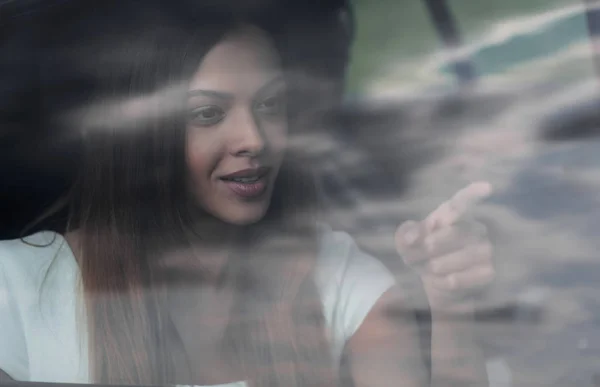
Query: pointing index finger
(470, 195)
(452, 210)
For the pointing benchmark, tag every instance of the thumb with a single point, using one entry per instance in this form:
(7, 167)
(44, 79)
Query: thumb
(409, 235)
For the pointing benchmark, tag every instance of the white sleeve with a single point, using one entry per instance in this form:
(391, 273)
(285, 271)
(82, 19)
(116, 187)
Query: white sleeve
(351, 283)
(13, 349)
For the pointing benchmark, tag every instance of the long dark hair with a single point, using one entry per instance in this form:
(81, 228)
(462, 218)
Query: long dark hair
(131, 209)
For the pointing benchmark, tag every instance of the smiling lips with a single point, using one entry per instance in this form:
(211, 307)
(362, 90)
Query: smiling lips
(247, 183)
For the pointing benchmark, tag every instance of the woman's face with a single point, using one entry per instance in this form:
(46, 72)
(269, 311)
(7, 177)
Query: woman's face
(237, 127)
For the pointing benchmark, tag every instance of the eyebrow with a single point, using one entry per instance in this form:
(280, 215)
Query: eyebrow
(273, 82)
(229, 96)
(210, 93)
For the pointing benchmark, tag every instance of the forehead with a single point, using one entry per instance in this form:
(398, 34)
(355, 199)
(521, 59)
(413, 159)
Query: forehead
(243, 60)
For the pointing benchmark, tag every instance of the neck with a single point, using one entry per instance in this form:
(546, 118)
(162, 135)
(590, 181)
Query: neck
(73, 240)
(212, 243)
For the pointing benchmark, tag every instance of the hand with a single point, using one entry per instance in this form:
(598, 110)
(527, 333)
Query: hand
(450, 251)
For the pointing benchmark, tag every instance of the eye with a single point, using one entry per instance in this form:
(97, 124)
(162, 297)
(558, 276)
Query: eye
(207, 115)
(271, 106)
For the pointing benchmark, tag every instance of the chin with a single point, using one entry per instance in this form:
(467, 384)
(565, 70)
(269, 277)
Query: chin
(244, 216)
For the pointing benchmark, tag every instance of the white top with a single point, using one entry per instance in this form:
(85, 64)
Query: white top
(39, 337)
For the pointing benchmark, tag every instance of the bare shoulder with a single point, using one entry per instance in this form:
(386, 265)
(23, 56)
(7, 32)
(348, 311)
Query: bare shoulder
(388, 317)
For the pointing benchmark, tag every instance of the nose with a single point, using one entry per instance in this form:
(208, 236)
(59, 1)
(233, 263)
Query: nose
(247, 138)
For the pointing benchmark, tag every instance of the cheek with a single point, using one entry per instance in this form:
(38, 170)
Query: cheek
(198, 154)
(195, 162)
(277, 134)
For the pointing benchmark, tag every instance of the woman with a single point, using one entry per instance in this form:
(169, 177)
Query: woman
(193, 252)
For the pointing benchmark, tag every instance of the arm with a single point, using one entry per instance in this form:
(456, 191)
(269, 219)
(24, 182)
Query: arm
(382, 346)
(385, 350)
(454, 259)
(456, 358)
